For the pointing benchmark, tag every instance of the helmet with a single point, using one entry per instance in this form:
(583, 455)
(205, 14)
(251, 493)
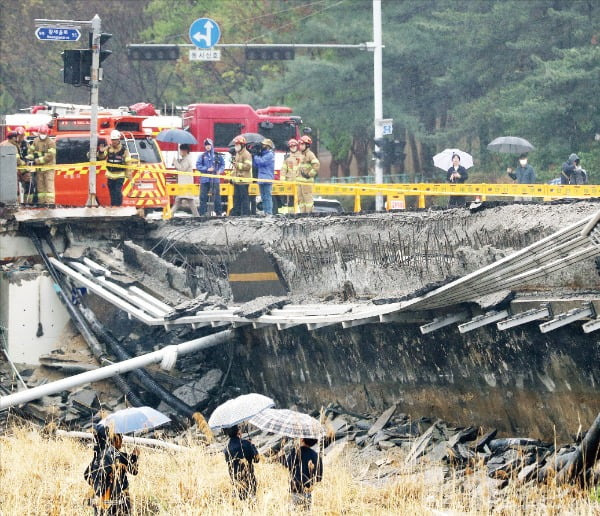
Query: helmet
(20, 130)
(115, 135)
(239, 139)
(306, 139)
(12, 134)
(268, 143)
(43, 129)
(292, 141)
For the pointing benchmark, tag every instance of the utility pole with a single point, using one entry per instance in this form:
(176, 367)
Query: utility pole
(377, 94)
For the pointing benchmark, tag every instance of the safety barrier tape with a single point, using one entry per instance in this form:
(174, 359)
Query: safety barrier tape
(353, 189)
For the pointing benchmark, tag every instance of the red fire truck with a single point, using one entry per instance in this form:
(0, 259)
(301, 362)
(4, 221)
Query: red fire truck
(222, 122)
(147, 186)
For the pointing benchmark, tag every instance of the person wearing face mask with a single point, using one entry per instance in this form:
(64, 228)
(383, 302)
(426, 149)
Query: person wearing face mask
(524, 173)
(42, 152)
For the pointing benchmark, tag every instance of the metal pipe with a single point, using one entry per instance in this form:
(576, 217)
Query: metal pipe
(111, 370)
(140, 374)
(145, 441)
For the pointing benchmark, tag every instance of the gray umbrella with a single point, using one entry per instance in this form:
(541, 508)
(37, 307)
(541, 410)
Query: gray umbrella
(510, 144)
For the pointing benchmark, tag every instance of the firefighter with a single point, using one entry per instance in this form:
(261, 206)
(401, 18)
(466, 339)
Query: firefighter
(116, 154)
(42, 151)
(242, 168)
(307, 171)
(289, 169)
(26, 179)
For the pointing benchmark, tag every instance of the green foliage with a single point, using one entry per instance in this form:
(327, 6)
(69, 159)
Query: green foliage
(456, 73)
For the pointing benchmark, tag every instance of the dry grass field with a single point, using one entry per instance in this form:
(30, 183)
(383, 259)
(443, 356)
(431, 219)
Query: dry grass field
(42, 475)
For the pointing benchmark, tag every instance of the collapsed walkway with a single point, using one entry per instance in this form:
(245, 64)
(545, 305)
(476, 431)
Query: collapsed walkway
(578, 242)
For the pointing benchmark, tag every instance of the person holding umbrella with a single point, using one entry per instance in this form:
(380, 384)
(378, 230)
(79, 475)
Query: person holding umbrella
(240, 455)
(524, 173)
(107, 473)
(456, 174)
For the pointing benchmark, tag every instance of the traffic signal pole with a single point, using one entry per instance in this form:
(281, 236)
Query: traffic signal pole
(96, 24)
(92, 199)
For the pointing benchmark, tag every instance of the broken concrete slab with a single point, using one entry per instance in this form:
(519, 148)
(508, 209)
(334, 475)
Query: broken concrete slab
(196, 392)
(382, 420)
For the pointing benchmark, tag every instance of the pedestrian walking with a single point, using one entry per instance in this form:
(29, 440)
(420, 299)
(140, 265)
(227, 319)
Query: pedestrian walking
(264, 161)
(240, 177)
(115, 154)
(240, 455)
(306, 468)
(308, 170)
(210, 162)
(107, 474)
(456, 174)
(42, 151)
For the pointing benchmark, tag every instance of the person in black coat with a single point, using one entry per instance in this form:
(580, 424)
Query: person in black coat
(456, 174)
(240, 455)
(306, 468)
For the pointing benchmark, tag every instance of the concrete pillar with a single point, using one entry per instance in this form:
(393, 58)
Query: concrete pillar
(8, 174)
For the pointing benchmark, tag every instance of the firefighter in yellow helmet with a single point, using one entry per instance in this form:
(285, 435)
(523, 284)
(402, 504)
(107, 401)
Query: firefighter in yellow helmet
(307, 171)
(242, 168)
(42, 151)
(115, 154)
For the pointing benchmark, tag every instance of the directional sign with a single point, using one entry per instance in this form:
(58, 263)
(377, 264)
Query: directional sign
(204, 33)
(205, 55)
(57, 34)
(386, 124)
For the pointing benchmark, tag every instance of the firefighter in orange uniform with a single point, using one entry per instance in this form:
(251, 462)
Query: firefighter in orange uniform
(116, 154)
(242, 168)
(307, 171)
(42, 151)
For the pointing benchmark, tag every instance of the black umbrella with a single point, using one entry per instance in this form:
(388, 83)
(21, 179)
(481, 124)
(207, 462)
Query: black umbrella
(510, 144)
(250, 138)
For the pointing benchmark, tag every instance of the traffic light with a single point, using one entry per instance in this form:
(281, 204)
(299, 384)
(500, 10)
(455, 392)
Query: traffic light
(380, 143)
(270, 53)
(153, 52)
(77, 63)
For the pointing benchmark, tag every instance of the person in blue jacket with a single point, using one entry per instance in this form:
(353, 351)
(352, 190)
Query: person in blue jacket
(210, 162)
(264, 160)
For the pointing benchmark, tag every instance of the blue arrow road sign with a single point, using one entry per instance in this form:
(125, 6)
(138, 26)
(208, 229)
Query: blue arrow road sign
(205, 33)
(57, 34)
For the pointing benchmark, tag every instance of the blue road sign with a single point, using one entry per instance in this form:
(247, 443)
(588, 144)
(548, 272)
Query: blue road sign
(57, 34)
(205, 33)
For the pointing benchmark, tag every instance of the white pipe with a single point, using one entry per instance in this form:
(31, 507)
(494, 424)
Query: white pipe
(126, 439)
(114, 369)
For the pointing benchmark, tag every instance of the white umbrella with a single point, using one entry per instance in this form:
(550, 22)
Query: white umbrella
(239, 409)
(289, 423)
(134, 419)
(443, 159)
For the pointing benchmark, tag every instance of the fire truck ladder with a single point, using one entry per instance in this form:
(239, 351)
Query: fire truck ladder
(134, 153)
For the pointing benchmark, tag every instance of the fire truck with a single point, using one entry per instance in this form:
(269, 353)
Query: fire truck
(145, 189)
